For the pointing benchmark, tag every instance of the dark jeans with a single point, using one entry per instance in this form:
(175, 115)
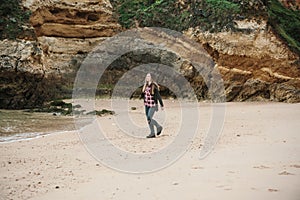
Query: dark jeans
(152, 122)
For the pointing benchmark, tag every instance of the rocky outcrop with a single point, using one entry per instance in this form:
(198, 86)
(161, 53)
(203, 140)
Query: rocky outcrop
(73, 19)
(68, 30)
(43, 67)
(256, 65)
(24, 80)
(254, 39)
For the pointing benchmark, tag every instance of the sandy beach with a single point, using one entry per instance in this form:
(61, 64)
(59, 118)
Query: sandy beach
(256, 157)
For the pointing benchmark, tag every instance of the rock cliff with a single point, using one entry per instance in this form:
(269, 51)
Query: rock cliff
(255, 64)
(43, 67)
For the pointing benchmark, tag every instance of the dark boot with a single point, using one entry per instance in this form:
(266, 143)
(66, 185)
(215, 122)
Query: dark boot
(159, 130)
(151, 136)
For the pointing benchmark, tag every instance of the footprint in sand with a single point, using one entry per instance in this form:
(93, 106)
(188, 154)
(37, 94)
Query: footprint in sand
(224, 187)
(261, 167)
(197, 167)
(295, 166)
(272, 190)
(285, 173)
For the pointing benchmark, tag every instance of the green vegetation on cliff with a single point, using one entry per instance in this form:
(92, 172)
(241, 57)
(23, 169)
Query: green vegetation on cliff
(286, 23)
(12, 19)
(209, 15)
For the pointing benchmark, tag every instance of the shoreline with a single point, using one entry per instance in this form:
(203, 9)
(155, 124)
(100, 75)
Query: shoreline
(36, 135)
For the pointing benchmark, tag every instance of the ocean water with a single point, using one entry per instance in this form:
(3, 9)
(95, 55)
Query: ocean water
(19, 125)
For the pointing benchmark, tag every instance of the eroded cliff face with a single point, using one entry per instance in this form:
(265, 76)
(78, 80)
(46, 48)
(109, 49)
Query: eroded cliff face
(254, 63)
(255, 66)
(68, 30)
(65, 32)
(73, 19)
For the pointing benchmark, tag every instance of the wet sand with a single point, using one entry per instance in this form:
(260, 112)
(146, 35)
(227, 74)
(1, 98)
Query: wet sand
(256, 157)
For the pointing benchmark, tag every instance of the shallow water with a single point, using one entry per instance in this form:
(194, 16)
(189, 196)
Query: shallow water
(18, 124)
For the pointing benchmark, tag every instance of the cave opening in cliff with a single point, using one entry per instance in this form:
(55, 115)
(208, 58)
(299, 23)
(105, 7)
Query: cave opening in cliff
(127, 62)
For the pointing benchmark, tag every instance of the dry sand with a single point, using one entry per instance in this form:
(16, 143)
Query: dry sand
(257, 157)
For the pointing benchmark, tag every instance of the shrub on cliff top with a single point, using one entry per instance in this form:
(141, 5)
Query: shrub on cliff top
(209, 15)
(12, 19)
(212, 15)
(286, 23)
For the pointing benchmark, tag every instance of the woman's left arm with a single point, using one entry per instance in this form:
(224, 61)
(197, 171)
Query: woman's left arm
(159, 98)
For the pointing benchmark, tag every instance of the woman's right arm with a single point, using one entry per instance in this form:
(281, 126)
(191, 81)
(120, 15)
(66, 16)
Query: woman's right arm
(144, 87)
(143, 92)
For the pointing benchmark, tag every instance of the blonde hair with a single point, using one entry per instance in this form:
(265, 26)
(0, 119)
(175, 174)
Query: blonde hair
(152, 86)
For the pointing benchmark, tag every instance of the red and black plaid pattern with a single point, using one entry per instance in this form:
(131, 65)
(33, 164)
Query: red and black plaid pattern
(149, 99)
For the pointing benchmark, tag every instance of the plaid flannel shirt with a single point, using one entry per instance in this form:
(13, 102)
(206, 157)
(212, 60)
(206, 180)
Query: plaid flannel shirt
(148, 98)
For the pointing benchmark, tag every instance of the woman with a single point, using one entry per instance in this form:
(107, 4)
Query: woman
(151, 96)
